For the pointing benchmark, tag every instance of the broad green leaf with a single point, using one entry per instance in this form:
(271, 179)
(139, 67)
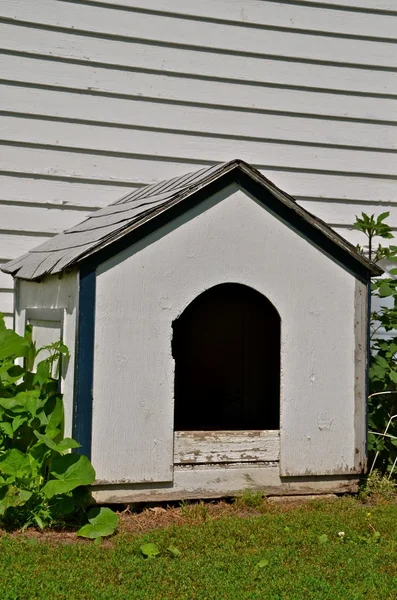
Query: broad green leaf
(7, 429)
(42, 417)
(102, 522)
(63, 349)
(67, 444)
(12, 496)
(23, 401)
(46, 440)
(39, 453)
(174, 551)
(52, 433)
(149, 550)
(382, 362)
(371, 441)
(11, 374)
(12, 344)
(33, 402)
(17, 422)
(323, 539)
(64, 505)
(393, 375)
(42, 374)
(31, 354)
(38, 521)
(63, 446)
(70, 471)
(82, 497)
(376, 372)
(379, 445)
(382, 217)
(263, 563)
(54, 410)
(16, 371)
(13, 404)
(14, 462)
(385, 290)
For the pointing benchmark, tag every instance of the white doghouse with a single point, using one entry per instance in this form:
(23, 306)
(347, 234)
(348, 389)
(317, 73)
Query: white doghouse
(218, 335)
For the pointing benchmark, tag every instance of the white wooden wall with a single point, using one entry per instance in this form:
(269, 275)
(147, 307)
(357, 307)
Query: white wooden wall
(229, 237)
(98, 98)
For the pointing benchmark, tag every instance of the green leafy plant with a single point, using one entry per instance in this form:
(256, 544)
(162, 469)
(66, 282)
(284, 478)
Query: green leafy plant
(175, 552)
(250, 499)
(263, 563)
(375, 228)
(197, 511)
(41, 482)
(149, 550)
(102, 522)
(383, 359)
(378, 487)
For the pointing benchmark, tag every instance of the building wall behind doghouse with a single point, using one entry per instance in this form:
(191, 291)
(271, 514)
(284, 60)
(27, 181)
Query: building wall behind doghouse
(227, 238)
(98, 98)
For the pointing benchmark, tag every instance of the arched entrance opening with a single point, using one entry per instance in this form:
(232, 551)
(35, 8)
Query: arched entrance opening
(226, 346)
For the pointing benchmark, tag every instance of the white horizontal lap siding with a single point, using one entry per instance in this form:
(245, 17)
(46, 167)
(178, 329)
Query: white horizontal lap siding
(12, 245)
(339, 214)
(299, 14)
(387, 6)
(128, 26)
(62, 191)
(7, 302)
(280, 69)
(99, 98)
(136, 115)
(6, 296)
(125, 143)
(121, 88)
(9, 321)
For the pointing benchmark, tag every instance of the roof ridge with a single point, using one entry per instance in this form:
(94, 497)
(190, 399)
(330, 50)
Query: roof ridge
(109, 224)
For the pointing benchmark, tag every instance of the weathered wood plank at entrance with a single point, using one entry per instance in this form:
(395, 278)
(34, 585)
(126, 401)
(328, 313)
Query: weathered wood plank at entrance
(195, 447)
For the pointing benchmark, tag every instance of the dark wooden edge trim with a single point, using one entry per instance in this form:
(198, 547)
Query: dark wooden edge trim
(292, 216)
(161, 217)
(84, 369)
(303, 227)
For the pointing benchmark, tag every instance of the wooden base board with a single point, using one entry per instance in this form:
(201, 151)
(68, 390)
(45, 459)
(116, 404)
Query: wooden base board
(209, 447)
(213, 481)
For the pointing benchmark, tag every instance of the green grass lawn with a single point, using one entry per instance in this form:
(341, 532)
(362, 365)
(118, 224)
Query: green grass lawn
(292, 553)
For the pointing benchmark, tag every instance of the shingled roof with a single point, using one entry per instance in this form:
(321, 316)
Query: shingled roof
(109, 224)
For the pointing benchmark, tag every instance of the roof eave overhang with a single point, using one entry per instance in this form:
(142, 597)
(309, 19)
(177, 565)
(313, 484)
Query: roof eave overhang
(254, 183)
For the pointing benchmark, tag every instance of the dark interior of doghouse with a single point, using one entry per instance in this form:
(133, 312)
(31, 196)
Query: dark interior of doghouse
(226, 347)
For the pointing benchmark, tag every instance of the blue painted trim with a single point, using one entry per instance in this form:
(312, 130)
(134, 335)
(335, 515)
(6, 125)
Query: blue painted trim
(84, 371)
(367, 362)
